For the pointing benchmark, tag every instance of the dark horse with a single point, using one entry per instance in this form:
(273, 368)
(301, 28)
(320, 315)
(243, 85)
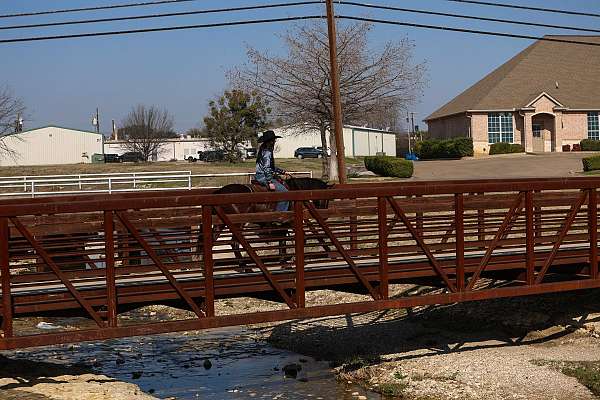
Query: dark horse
(272, 230)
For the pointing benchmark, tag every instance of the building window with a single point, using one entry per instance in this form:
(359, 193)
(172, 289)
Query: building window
(593, 126)
(500, 127)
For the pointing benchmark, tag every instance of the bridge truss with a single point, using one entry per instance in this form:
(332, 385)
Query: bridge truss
(99, 256)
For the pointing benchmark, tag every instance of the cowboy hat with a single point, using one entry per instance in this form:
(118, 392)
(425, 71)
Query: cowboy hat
(267, 136)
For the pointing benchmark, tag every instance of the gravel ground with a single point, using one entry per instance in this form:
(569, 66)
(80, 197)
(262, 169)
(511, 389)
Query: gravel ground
(497, 349)
(28, 380)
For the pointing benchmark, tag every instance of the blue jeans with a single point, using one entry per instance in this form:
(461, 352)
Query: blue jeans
(281, 205)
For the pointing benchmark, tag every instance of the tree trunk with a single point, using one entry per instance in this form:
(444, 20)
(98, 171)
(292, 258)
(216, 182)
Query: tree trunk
(325, 159)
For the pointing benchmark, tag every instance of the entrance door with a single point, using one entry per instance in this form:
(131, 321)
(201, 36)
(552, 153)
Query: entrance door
(538, 138)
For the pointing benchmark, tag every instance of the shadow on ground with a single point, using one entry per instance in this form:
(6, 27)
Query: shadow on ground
(30, 373)
(440, 329)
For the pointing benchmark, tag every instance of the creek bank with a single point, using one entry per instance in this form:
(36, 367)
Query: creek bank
(494, 349)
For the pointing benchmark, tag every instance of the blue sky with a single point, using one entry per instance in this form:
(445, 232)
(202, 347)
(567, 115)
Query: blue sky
(62, 82)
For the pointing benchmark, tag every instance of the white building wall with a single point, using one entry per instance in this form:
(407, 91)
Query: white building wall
(178, 149)
(51, 145)
(358, 141)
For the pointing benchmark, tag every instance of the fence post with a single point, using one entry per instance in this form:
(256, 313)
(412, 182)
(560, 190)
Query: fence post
(189, 182)
(32, 189)
(79, 178)
(109, 265)
(593, 231)
(134, 181)
(207, 257)
(7, 311)
(383, 248)
(109, 185)
(299, 253)
(459, 223)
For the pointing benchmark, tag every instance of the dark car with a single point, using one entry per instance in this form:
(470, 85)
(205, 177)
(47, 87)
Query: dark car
(111, 158)
(212, 156)
(308, 152)
(132, 156)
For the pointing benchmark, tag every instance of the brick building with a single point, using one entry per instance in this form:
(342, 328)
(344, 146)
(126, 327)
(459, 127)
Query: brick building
(545, 97)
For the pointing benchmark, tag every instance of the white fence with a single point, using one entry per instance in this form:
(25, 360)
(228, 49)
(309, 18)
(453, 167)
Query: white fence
(48, 185)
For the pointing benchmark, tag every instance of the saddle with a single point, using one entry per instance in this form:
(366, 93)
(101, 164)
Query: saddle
(263, 188)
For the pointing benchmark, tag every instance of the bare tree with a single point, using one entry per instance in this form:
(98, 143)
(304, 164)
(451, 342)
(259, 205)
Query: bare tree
(11, 108)
(373, 83)
(146, 129)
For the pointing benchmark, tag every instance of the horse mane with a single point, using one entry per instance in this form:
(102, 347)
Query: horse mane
(306, 184)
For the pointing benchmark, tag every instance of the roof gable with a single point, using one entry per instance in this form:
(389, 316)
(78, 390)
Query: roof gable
(547, 96)
(562, 71)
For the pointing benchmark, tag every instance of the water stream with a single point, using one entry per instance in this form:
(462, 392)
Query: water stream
(213, 364)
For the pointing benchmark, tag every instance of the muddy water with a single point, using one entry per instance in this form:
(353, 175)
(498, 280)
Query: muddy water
(215, 364)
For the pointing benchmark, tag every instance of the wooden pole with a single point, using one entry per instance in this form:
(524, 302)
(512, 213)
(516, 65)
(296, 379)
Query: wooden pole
(335, 94)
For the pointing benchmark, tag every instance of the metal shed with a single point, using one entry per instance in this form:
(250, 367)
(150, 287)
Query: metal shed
(51, 145)
(358, 141)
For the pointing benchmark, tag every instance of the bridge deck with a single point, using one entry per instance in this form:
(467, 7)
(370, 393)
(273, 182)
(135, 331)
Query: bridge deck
(98, 257)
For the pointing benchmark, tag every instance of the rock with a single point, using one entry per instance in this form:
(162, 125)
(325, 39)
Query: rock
(291, 370)
(136, 374)
(207, 364)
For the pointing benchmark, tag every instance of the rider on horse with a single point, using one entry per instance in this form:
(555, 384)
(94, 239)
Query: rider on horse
(266, 171)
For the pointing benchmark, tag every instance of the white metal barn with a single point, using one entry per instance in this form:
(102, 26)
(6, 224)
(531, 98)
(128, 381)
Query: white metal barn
(358, 141)
(51, 145)
(173, 149)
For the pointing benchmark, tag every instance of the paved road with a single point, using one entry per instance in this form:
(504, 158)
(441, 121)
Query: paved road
(504, 166)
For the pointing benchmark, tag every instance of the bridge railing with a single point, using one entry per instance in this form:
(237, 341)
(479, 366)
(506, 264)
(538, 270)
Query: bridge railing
(97, 258)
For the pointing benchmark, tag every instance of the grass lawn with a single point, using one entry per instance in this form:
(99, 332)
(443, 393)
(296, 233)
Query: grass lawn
(196, 168)
(289, 164)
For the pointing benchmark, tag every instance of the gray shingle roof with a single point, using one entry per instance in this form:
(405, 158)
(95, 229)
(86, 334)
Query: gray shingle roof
(535, 70)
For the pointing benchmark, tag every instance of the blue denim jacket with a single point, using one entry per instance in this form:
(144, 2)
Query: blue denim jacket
(265, 167)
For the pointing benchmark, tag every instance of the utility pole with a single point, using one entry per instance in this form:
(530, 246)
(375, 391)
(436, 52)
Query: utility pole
(335, 94)
(97, 120)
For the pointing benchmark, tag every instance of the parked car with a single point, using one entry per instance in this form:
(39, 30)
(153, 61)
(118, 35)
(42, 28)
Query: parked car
(132, 156)
(111, 158)
(213, 156)
(308, 152)
(250, 152)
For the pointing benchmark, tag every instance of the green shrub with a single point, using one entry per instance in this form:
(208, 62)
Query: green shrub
(590, 145)
(506, 148)
(389, 166)
(591, 163)
(450, 148)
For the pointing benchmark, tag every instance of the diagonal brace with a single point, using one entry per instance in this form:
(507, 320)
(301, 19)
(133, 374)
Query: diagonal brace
(313, 211)
(241, 240)
(436, 266)
(156, 259)
(504, 229)
(56, 269)
(567, 225)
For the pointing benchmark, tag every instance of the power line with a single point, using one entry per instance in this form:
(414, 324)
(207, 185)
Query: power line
(462, 30)
(298, 18)
(162, 29)
(173, 14)
(109, 7)
(550, 10)
(472, 17)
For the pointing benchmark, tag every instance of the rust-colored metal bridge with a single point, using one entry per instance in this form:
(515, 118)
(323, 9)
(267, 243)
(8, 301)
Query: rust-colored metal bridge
(98, 256)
